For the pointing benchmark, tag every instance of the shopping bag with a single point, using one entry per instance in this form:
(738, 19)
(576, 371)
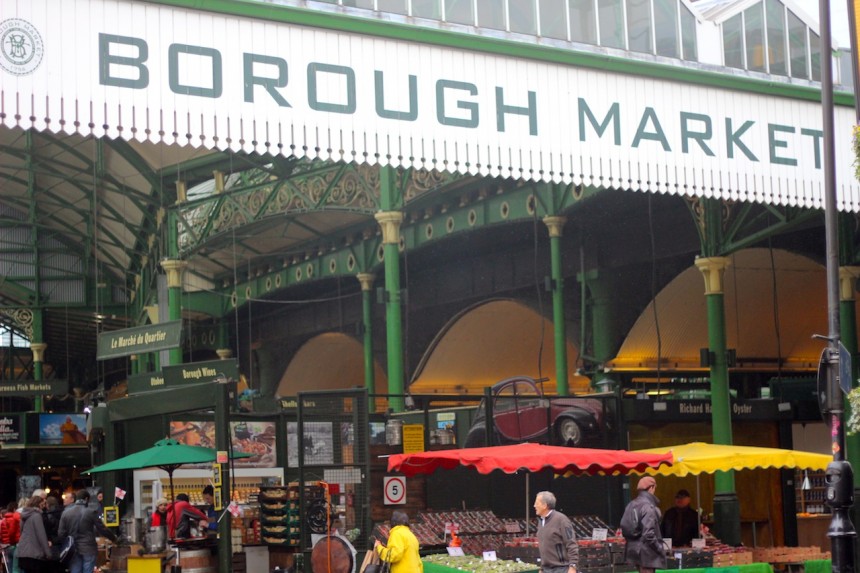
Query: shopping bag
(371, 562)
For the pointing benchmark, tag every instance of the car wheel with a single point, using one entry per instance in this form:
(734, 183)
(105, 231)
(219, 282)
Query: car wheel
(568, 432)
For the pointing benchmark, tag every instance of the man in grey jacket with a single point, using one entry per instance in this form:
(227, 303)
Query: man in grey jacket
(83, 523)
(644, 547)
(557, 545)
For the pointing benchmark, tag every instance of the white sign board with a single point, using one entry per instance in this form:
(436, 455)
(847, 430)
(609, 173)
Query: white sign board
(394, 490)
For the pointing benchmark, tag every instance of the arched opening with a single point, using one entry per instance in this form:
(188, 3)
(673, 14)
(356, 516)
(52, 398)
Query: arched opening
(490, 342)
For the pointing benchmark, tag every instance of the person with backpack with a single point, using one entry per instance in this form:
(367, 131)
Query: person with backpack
(10, 534)
(640, 526)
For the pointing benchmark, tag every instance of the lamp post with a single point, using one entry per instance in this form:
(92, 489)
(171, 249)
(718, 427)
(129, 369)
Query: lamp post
(839, 475)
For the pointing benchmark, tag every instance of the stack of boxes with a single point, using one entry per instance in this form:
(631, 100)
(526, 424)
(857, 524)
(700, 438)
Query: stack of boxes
(782, 555)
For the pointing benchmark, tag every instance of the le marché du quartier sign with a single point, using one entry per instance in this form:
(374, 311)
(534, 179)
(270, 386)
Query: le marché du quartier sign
(139, 340)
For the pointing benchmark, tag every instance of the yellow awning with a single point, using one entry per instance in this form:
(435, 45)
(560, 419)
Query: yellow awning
(700, 458)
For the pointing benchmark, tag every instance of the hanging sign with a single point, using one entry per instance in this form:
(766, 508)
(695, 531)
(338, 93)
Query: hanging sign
(139, 340)
(146, 382)
(198, 372)
(394, 490)
(34, 388)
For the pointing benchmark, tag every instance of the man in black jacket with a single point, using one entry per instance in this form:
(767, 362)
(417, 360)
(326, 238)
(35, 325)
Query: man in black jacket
(83, 523)
(681, 523)
(644, 546)
(557, 545)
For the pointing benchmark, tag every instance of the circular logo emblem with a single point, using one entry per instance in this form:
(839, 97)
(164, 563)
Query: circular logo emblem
(21, 47)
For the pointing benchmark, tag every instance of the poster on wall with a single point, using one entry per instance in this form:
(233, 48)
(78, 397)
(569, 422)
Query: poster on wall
(10, 429)
(255, 438)
(318, 444)
(62, 429)
(27, 485)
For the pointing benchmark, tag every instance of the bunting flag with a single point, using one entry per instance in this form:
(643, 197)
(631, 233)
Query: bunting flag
(119, 493)
(234, 509)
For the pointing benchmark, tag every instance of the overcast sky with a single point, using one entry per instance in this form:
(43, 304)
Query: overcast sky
(838, 19)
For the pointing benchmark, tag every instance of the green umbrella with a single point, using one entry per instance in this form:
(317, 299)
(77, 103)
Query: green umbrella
(167, 454)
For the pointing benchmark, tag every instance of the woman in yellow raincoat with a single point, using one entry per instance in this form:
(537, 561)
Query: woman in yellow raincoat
(402, 548)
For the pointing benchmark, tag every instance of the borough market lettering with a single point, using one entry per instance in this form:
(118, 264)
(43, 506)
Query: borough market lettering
(123, 63)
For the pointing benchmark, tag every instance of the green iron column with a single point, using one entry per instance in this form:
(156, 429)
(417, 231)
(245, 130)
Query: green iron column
(600, 296)
(390, 220)
(174, 269)
(366, 280)
(222, 405)
(38, 349)
(848, 276)
(727, 520)
(555, 225)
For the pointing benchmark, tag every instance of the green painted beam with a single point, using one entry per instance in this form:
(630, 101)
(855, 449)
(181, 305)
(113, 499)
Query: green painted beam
(367, 256)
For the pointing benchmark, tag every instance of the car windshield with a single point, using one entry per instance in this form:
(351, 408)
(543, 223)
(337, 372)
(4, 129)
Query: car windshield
(515, 394)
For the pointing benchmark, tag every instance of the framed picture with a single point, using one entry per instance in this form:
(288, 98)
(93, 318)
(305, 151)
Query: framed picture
(111, 516)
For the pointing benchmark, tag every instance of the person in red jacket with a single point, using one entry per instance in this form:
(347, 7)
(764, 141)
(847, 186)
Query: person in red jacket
(10, 534)
(10, 526)
(180, 514)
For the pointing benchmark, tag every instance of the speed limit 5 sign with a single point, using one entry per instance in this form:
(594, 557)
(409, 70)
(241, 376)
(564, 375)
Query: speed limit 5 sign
(395, 490)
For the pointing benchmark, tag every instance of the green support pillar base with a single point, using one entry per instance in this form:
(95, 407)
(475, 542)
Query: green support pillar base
(727, 518)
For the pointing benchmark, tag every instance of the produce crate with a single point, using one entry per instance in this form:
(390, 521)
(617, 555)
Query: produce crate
(593, 555)
(694, 558)
(524, 554)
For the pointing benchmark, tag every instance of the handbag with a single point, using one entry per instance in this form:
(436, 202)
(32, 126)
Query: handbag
(376, 564)
(371, 559)
(67, 549)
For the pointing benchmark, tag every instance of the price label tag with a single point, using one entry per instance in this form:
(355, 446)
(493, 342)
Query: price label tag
(489, 555)
(599, 533)
(699, 543)
(455, 551)
(512, 527)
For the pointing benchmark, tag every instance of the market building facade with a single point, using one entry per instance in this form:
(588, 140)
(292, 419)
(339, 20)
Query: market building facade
(423, 198)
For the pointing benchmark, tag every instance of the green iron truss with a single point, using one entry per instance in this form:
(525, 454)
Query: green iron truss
(726, 227)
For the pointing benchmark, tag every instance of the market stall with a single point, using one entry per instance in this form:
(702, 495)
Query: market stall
(168, 455)
(515, 458)
(699, 458)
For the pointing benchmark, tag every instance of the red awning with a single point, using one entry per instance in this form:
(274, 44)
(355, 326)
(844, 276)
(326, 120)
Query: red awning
(530, 457)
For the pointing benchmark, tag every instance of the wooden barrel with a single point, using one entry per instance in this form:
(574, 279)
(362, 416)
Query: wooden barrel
(198, 561)
(341, 556)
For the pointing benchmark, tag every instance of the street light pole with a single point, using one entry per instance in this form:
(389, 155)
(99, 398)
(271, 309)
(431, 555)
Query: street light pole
(839, 475)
